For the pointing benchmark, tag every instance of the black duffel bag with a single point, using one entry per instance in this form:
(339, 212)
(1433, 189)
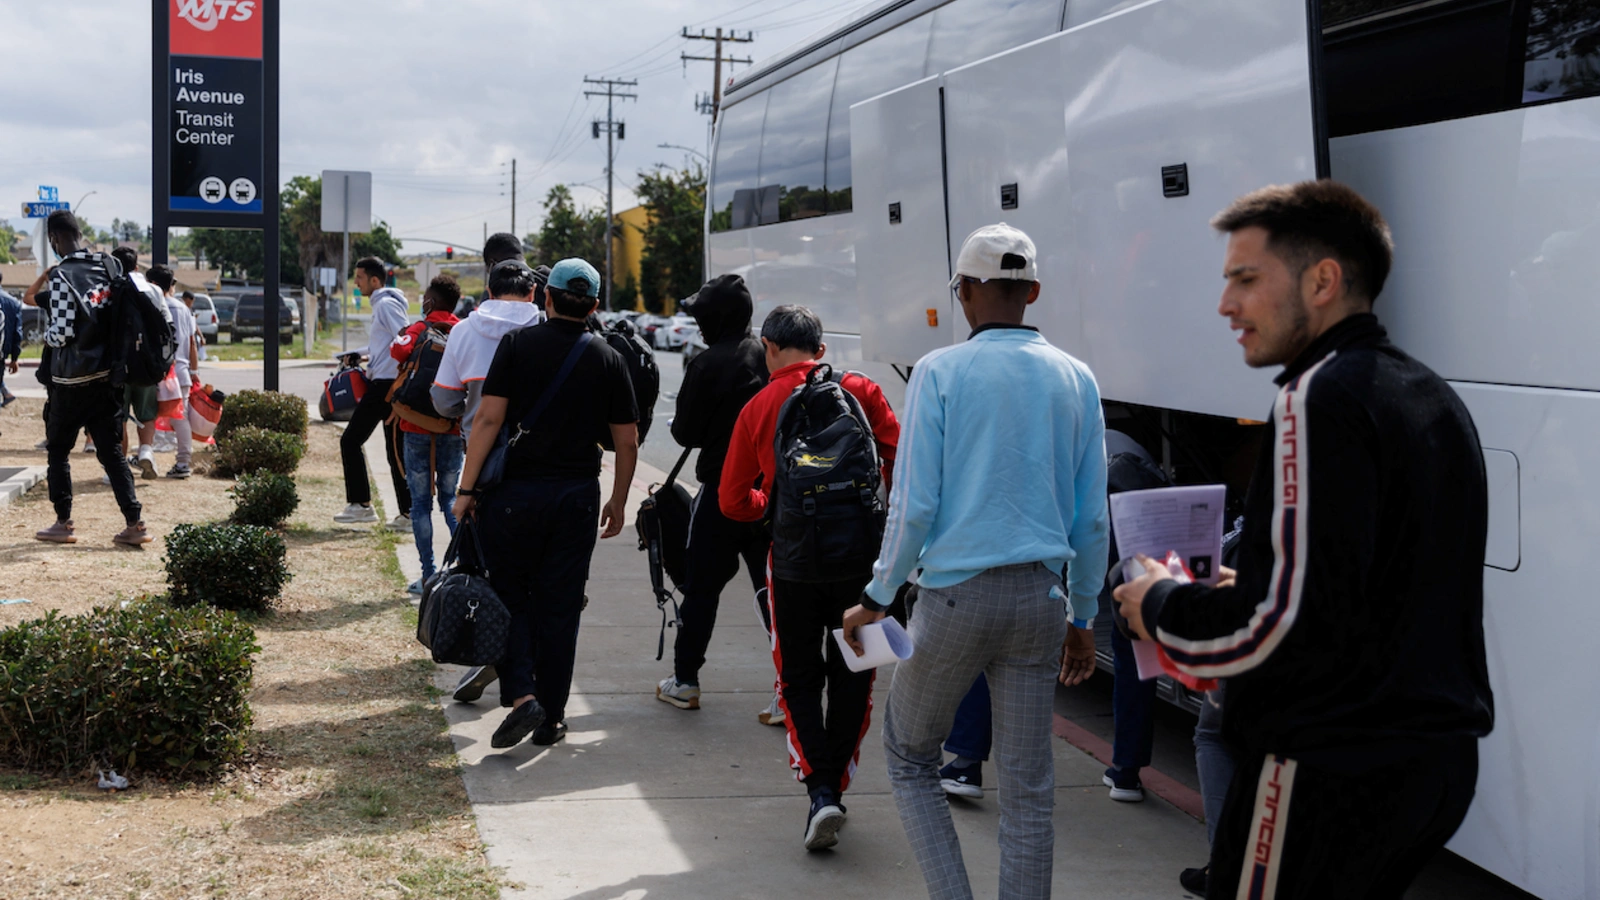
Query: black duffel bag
(461, 618)
(663, 526)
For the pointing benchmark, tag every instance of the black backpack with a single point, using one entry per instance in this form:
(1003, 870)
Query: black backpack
(143, 342)
(827, 518)
(411, 397)
(642, 370)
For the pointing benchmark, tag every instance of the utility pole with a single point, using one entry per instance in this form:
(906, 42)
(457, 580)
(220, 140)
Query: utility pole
(717, 59)
(616, 130)
(513, 196)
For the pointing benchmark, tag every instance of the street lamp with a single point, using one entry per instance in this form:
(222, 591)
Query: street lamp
(75, 206)
(702, 156)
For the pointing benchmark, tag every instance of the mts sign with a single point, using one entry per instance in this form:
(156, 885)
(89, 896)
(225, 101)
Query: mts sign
(228, 28)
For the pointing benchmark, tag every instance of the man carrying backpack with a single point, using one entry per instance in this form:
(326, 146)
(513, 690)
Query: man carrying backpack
(80, 337)
(390, 316)
(1000, 495)
(816, 572)
(433, 458)
(716, 386)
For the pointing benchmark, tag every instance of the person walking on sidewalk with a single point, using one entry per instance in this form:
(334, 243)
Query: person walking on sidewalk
(538, 525)
(517, 298)
(185, 364)
(389, 318)
(716, 386)
(824, 747)
(1001, 495)
(10, 342)
(81, 395)
(433, 460)
(1352, 639)
(142, 403)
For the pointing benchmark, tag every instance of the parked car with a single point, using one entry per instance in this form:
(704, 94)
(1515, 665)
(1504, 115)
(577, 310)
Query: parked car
(34, 322)
(675, 333)
(205, 316)
(646, 324)
(224, 306)
(248, 318)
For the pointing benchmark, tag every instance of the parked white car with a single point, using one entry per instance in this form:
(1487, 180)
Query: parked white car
(676, 332)
(205, 317)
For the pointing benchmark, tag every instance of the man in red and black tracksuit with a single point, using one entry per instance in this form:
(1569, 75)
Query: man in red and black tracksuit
(1352, 638)
(823, 747)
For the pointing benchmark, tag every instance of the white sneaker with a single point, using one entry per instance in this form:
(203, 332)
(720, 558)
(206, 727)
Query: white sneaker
(356, 514)
(146, 466)
(401, 522)
(683, 696)
(773, 714)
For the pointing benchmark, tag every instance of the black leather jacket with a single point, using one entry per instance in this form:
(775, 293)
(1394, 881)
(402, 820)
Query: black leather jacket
(80, 289)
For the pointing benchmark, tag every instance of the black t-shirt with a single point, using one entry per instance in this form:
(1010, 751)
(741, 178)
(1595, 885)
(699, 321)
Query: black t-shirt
(565, 442)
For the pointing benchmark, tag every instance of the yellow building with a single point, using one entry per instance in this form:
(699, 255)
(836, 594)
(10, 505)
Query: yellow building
(627, 248)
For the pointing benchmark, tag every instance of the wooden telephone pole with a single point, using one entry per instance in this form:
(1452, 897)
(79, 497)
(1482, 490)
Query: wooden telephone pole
(717, 59)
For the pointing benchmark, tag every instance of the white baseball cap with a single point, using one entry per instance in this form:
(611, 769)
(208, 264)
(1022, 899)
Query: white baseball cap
(997, 251)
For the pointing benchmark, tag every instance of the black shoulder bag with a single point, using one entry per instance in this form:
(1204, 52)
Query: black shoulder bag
(663, 526)
(461, 618)
(493, 470)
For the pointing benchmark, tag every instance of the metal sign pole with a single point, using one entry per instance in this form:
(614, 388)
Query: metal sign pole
(344, 271)
(272, 307)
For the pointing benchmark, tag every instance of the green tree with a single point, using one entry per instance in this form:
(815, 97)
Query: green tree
(303, 246)
(673, 261)
(7, 239)
(569, 231)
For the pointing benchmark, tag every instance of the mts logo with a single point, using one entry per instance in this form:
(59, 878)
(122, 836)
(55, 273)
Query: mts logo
(229, 28)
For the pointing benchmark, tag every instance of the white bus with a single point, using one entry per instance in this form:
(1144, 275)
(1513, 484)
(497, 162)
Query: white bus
(848, 169)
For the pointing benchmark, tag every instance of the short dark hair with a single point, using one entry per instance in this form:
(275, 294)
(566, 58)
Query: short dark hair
(188, 295)
(511, 278)
(161, 277)
(793, 328)
(500, 247)
(128, 258)
(445, 288)
(373, 266)
(1315, 220)
(63, 223)
(571, 304)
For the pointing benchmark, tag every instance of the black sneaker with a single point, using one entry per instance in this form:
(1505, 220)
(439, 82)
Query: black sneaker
(1195, 880)
(549, 733)
(824, 820)
(473, 682)
(518, 724)
(962, 781)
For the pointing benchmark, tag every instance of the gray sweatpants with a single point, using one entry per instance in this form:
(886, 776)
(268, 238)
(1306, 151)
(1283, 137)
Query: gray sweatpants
(1005, 624)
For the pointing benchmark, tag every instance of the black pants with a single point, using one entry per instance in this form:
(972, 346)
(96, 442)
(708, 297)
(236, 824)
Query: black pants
(1299, 831)
(716, 544)
(371, 413)
(93, 408)
(537, 539)
(823, 746)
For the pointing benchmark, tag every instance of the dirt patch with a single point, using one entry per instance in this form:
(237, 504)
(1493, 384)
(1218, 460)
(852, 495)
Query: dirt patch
(352, 788)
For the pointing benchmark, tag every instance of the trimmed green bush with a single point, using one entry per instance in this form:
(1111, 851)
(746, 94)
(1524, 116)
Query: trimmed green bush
(264, 498)
(226, 566)
(252, 449)
(283, 413)
(142, 687)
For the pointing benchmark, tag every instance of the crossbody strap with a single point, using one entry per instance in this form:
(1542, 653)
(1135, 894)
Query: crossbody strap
(567, 365)
(673, 475)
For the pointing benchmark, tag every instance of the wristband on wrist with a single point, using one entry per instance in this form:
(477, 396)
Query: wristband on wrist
(466, 492)
(1083, 624)
(871, 604)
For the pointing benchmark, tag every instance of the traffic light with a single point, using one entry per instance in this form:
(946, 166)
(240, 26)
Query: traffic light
(449, 253)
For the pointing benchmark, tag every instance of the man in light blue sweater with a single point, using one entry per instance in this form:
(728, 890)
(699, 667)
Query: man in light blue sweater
(999, 494)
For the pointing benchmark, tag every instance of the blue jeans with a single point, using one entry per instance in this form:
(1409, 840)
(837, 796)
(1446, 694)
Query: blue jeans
(1132, 709)
(1213, 759)
(973, 731)
(433, 463)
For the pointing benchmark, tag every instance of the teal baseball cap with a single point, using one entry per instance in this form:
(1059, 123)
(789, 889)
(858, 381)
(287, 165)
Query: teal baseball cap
(575, 277)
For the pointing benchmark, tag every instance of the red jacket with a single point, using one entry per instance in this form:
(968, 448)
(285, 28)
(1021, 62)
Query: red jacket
(750, 452)
(401, 349)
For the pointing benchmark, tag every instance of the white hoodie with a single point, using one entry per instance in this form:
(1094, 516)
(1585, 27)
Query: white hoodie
(458, 387)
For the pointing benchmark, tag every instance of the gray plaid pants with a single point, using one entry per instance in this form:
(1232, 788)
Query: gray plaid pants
(1005, 624)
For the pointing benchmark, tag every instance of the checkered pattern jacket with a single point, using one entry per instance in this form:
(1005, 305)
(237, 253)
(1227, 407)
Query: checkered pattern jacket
(79, 287)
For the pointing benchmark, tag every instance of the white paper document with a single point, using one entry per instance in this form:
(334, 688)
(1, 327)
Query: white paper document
(883, 642)
(1159, 520)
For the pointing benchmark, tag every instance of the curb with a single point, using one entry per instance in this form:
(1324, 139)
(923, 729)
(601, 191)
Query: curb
(19, 483)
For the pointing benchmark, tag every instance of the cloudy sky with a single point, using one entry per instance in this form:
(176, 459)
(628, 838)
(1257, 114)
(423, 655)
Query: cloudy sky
(433, 98)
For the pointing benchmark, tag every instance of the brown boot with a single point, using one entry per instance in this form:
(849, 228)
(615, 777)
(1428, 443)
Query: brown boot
(133, 535)
(59, 533)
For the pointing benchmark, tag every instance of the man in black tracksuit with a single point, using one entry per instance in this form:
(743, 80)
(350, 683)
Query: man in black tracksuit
(716, 386)
(1352, 639)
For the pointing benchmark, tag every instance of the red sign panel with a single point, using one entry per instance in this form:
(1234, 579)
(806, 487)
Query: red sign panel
(230, 28)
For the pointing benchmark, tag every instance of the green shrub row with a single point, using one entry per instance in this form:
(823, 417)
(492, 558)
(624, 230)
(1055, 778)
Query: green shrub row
(268, 410)
(252, 449)
(264, 498)
(226, 566)
(144, 687)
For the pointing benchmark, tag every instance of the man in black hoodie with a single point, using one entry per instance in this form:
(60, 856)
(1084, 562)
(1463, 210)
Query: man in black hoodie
(716, 386)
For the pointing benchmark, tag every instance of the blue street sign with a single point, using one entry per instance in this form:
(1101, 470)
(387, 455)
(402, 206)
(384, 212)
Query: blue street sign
(48, 194)
(42, 210)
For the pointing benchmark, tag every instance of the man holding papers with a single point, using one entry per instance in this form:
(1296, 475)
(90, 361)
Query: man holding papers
(1352, 640)
(993, 532)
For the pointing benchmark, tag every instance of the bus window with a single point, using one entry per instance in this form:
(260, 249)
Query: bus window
(1337, 11)
(882, 64)
(1563, 51)
(794, 142)
(738, 160)
(969, 30)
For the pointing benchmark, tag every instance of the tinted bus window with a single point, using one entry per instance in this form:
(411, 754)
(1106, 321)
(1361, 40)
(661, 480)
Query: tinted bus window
(1563, 51)
(794, 142)
(882, 64)
(734, 203)
(969, 30)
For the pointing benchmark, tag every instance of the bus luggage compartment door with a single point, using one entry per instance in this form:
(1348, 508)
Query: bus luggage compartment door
(902, 267)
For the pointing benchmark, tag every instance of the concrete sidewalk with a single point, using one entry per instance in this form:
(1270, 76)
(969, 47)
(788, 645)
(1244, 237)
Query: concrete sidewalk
(643, 800)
